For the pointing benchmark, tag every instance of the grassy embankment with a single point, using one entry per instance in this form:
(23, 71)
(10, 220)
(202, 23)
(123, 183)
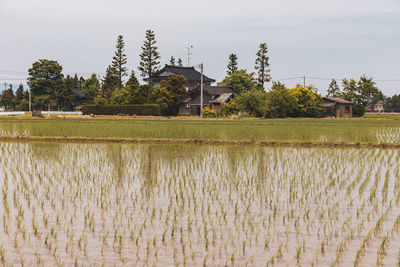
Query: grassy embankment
(365, 131)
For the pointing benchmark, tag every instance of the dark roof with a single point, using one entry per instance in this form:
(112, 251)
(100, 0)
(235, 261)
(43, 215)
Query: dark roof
(78, 93)
(337, 100)
(190, 73)
(215, 90)
(221, 98)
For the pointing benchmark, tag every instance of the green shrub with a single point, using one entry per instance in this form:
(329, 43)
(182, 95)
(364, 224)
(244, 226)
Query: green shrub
(145, 109)
(210, 113)
(228, 109)
(358, 110)
(252, 102)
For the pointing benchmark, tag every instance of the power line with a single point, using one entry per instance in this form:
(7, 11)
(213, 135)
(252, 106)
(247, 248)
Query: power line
(320, 78)
(291, 78)
(394, 80)
(12, 72)
(13, 79)
(329, 79)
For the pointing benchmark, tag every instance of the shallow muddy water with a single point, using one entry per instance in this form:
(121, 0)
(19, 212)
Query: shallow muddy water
(115, 204)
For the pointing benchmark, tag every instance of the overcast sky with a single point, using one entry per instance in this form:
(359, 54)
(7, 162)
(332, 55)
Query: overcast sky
(316, 38)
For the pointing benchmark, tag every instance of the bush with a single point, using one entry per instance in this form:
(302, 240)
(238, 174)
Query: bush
(210, 113)
(228, 109)
(99, 100)
(280, 103)
(358, 110)
(146, 109)
(252, 102)
(308, 102)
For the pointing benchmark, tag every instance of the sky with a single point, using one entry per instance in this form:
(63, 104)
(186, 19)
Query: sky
(313, 38)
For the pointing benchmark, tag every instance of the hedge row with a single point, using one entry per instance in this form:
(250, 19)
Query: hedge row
(146, 109)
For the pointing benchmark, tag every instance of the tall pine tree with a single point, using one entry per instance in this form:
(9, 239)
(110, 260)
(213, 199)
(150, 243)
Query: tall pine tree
(149, 58)
(172, 61)
(262, 65)
(180, 63)
(110, 82)
(133, 81)
(7, 98)
(19, 94)
(119, 60)
(65, 95)
(232, 64)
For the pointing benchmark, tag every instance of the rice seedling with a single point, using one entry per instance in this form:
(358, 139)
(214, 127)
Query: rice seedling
(161, 205)
(277, 130)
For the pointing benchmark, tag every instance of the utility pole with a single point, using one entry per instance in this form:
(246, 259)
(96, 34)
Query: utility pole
(201, 91)
(30, 100)
(189, 54)
(304, 81)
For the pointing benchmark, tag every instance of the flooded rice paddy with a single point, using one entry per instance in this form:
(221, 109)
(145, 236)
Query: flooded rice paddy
(160, 205)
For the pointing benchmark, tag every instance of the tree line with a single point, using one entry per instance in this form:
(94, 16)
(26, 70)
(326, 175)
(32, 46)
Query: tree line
(362, 93)
(51, 89)
(279, 101)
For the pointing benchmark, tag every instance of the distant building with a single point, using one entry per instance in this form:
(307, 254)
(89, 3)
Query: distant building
(193, 76)
(378, 107)
(337, 107)
(79, 99)
(213, 97)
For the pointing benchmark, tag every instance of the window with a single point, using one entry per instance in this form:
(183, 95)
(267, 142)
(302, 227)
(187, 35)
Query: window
(347, 109)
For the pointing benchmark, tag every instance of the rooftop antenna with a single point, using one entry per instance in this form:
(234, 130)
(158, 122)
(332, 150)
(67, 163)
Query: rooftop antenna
(189, 54)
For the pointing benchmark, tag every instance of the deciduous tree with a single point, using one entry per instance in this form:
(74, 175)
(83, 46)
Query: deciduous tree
(252, 102)
(90, 87)
(308, 102)
(280, 103)
(175, 87)
(370, 93)
(392, 104)
(334, 90)
(240, 81)
(45, 79)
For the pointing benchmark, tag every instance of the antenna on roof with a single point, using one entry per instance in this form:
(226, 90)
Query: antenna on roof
(189, 54)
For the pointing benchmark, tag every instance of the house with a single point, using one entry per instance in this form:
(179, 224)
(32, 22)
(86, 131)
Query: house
(190, 73)
(213, 97)
(378, 107)
(79, 99)
(337, 107)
